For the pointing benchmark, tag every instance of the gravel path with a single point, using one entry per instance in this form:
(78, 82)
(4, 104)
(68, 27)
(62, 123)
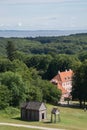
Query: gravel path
(29, 126)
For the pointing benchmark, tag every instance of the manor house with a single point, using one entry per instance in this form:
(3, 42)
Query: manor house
(63, 80)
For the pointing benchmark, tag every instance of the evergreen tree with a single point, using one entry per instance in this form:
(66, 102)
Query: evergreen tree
(10, 50)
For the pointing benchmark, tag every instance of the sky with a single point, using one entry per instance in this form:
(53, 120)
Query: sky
(43, 14)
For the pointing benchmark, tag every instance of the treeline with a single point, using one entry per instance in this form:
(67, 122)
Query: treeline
(72, 44)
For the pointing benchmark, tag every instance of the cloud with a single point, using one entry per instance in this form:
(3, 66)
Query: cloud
(19, 24)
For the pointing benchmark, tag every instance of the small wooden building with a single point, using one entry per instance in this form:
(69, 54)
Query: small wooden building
(33, 111)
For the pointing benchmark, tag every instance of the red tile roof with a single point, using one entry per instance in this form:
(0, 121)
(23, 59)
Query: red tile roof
(62, 77)
(66, 75)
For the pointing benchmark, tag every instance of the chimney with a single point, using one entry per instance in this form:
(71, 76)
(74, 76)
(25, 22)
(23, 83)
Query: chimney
(69, 69)
(58, 72)
(66, 70)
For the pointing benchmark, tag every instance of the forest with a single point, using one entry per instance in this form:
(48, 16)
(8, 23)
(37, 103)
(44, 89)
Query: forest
(28, 64)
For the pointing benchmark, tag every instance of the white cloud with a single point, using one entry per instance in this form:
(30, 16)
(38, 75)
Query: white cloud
(19, 24)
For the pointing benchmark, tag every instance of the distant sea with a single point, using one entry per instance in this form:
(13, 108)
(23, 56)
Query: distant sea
(36, 33)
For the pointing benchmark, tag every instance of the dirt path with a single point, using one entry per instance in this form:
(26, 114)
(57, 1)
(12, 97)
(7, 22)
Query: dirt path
(29, 126)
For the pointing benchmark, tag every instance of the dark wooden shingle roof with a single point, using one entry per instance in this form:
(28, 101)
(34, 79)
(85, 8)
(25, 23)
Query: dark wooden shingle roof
(24, 105)
(33, 105)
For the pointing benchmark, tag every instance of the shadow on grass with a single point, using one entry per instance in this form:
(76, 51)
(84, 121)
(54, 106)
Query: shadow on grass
(47, 122)
(74, 106)
(19, 119)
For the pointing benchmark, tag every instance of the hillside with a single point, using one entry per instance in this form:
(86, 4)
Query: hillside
(25, 75)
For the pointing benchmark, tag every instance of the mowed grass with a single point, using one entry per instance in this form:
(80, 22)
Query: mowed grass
(15, 128)
(71, 118)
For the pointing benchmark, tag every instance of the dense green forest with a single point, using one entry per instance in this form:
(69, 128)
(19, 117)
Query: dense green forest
(72, 44)
(28, 64)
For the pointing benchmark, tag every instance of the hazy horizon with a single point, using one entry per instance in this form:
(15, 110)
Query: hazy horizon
(36, 33)
(43, 30)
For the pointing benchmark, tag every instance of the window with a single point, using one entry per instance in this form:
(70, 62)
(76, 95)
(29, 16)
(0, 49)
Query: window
(69, 77)
(65, 78)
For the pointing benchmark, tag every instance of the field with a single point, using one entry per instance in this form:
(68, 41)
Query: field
(71, 119)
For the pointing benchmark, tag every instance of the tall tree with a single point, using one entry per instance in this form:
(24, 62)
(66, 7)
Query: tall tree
(79, 89)
(10, 50)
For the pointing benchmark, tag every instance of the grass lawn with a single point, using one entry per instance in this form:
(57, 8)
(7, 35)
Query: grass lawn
(15, 128)
(71, 119)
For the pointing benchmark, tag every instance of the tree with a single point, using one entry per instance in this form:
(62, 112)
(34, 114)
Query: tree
(15, 85)
(34, 93)
(4, 96)
(79, 89)
(5, 65)
(82, 55)
(10, 50)
(61, 63)
(50, 92)
(19, 55)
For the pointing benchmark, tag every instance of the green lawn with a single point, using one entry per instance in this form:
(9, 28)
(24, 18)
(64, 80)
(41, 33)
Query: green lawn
(71, 119)
(15, 128)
